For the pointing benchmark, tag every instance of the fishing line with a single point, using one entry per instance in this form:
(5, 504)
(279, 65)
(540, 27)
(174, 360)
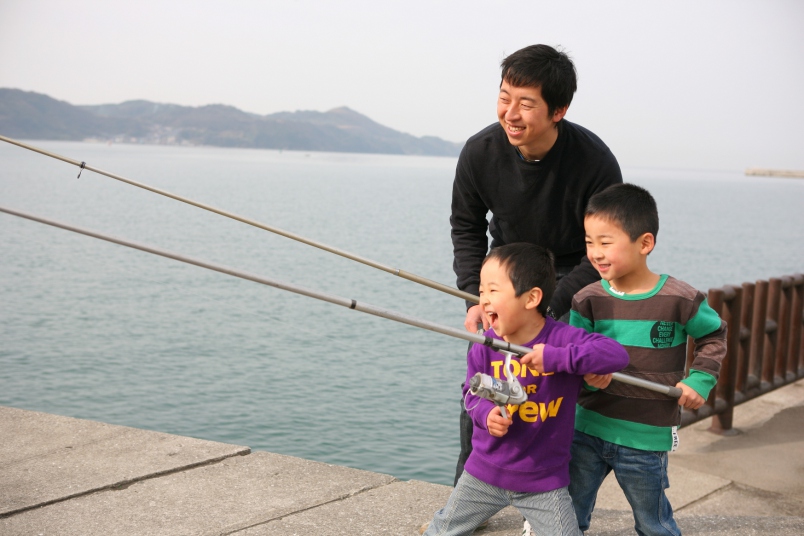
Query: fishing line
(394, 271)
(468, 409)
(496, 344)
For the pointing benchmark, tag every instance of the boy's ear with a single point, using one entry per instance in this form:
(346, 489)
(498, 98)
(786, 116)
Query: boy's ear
(646, 243)
(535, 296)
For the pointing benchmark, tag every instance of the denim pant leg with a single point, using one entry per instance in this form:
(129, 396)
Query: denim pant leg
(549, 513)
(642, 475)
(588, 468)
(471, 503)
(466, 430)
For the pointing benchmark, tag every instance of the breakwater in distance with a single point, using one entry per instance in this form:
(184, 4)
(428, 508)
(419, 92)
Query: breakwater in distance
(97, 331)
(759, 172)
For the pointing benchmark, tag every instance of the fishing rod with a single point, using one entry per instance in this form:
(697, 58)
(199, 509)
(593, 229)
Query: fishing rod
(496, 344)
(395, 271)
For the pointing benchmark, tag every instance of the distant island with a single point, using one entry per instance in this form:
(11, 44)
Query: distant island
(35, 116)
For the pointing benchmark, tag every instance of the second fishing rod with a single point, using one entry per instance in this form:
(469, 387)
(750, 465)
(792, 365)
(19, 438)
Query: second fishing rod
(497, 344)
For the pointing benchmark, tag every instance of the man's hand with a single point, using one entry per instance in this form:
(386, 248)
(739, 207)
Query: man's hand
(534, 360)
(475, 316)
(496, 424)
(689, 398)
(599, 381)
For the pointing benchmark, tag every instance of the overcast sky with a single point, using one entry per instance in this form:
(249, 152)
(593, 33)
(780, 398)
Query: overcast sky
(688, 84)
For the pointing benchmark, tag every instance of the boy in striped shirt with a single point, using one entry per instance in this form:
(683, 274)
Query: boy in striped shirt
(619, 427)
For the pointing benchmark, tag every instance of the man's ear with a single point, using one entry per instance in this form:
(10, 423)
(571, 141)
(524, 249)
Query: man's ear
(535, 296)
(559, 113)
(646, 243)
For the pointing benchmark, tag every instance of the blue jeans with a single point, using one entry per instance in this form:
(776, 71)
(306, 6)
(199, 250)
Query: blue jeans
(642, 475)
(473, 501)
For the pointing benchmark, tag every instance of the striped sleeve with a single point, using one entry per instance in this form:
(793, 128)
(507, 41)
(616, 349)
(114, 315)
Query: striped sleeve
(708, 331)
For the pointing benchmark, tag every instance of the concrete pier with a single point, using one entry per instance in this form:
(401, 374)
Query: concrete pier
(64, 476)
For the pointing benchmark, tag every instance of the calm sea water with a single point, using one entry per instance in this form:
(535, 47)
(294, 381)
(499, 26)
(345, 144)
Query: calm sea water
(98, 331)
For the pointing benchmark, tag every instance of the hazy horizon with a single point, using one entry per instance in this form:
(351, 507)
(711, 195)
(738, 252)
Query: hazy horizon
(713, 85)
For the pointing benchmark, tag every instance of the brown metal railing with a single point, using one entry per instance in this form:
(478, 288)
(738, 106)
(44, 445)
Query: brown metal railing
(765, 345)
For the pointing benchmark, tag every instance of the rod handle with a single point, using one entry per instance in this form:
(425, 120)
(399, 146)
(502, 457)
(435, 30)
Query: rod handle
(668, 390)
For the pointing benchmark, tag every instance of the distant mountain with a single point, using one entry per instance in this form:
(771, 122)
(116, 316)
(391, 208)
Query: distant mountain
(30, 115)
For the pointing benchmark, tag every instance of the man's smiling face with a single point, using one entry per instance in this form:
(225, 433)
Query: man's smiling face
(525, 117)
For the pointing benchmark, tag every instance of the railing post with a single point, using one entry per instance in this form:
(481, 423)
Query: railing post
(769, 350)
(772, 331)
(758, 333)
(745, 380)
(794, 354)
(728, 303)
(782, 333)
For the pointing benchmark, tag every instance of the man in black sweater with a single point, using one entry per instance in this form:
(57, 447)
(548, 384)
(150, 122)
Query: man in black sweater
(534, 171)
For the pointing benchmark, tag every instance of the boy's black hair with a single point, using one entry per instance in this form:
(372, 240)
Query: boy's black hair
(544, 67)
(528, 266)
(629, 206)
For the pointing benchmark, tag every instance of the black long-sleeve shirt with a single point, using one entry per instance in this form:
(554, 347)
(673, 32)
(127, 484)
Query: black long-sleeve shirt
(538, 202)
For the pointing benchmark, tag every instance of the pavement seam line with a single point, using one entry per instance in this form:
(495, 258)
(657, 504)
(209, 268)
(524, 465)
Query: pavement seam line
(233, 530)
(730, 484)
(117, 486)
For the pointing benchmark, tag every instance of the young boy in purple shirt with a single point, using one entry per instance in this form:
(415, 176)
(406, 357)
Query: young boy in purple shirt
(524, 460)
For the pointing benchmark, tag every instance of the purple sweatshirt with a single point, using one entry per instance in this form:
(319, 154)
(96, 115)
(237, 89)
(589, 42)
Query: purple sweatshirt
(533, 457)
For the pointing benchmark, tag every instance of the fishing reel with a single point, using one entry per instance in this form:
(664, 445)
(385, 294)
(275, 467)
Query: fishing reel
(498, 391)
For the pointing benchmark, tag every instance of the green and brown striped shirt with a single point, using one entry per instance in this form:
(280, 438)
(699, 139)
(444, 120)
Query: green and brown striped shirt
(653, 327)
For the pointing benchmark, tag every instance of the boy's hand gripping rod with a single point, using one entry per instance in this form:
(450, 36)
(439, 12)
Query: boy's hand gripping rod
(497, 344)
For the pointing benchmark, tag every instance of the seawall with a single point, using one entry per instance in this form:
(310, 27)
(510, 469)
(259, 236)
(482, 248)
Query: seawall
(66, 476)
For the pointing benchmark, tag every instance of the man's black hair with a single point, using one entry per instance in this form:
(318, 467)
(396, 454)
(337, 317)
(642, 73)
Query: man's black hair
(544, 67)
(528, 266)
(629, 206)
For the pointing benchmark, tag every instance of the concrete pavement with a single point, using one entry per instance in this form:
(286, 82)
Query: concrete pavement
(65, 476)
